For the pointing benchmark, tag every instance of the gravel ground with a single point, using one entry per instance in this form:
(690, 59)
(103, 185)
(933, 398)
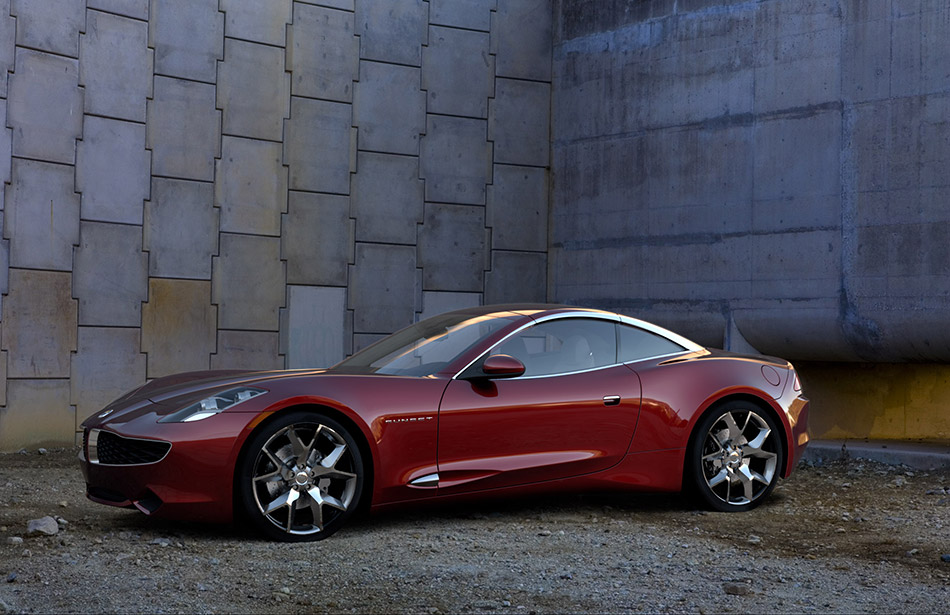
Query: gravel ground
(843, 537)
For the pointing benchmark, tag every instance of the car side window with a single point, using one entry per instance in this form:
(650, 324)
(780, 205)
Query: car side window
(562, 346)
(635, 344)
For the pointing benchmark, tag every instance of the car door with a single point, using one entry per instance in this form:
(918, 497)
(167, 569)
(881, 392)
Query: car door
(573, 412)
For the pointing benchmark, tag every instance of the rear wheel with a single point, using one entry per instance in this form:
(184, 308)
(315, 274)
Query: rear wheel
(301, 477)
(736, 456)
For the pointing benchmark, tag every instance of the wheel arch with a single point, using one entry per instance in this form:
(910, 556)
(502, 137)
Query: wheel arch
(334, 413)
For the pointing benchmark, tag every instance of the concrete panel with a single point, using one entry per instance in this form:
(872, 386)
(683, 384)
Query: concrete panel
(112, 170)
(39, 324)
(453, 248)
(6, 147)
(37, 414)
(456, 160)
(437, 302)
(45, 106)
(392, 31)
(798, 47)
(520, 121)
(802, 265)
(261, 22)
(517, 210)
(137, 9)
(42, 215)
(178, 326)
(251, 350)
(107, 365)
(51, 25)
(458, 73)
(866, 66)
(343, 5)
(314, 241)
(181, 229)
(7, 46)
(523, 52)
(115, 66)
(184, 129)
(253, 90)
(188, 38)
(323, 53)
(383, 290)
(387, 198)
(468, 14)
(248, 282)
(782, 170)
(316, 324)
(110, 275)
(318, 144)
(250, 186)
(516, 277)
(389, 108)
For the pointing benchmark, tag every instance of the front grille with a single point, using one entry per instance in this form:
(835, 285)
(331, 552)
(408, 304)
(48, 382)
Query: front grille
(113, 449)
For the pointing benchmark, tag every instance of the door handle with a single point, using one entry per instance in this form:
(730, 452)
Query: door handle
(611, 400)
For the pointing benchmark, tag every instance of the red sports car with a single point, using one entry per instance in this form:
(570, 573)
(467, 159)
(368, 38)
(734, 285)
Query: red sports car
(504, 399)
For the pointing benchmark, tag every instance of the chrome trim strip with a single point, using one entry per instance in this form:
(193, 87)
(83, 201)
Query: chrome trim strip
(429, 480)
(689, 345)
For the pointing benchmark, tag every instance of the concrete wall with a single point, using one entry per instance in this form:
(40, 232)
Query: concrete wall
(769, 172)
(193, 184)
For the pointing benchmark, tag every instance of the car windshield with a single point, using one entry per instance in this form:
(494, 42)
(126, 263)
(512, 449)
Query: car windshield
(426, 347)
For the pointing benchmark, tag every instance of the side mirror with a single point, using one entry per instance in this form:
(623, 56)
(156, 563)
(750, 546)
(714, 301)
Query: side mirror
(502, 366)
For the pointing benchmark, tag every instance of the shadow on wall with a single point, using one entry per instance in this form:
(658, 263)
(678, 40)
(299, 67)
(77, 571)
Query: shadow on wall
(877, 400)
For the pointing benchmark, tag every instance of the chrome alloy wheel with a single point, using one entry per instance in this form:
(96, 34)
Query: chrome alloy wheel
(739, 457)
(304, 478)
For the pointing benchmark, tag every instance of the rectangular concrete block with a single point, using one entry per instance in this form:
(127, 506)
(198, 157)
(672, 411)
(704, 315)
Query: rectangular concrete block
(866, 61)
(456, 160)
(181, 229)
(389, 108)
(37, 414)
(315, 241)
(384, 288)
(316, 326)
(7, 45)
(323, 53)
(51, 25)
(804, 265)
(253, 90)
(250, 186)
(110, 252)
(115, 66)
(42, 215)
(887, 142)
(184, 129)
(136, 9)
(112, 170)
(392, 31)
(439, 302)
(780, 169)
(516, 277)
(44, 107)
(188, 38)
(248, 282)
(6, 151)
(468, 14)
(39, 324)
(107, 365)
(458, 73)
(178, 326)
(459, 231)
(520, 121)
(387, 198)
(318, 145)
(250, 350)
(517, 209)
(523, 52)
(261, 22)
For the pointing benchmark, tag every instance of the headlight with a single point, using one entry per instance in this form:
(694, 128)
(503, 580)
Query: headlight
(209, 406)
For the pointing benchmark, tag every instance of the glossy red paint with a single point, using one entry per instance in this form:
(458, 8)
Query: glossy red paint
(617, 426)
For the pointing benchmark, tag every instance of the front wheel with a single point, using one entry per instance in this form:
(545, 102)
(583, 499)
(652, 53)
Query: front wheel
(301, 477)
(736, 456)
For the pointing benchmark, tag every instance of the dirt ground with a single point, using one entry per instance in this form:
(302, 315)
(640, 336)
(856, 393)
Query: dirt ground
(844, 537)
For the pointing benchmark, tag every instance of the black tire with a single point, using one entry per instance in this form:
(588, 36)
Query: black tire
(314, 489)
(735, 457)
